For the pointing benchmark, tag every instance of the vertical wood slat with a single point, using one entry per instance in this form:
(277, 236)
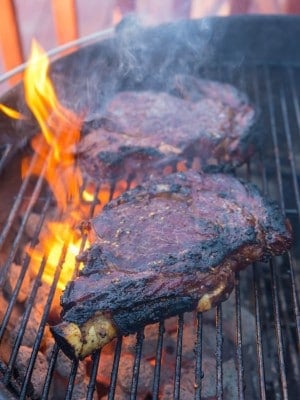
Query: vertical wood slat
(65, 20)
(239, 6)
(182, 9)
(292, 6)
(10, 42)
(126, 6)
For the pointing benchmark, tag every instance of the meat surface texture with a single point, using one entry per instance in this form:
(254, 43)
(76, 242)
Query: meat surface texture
(140, 133)
(169, 246)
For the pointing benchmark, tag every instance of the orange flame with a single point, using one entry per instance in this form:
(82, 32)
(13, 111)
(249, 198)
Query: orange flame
(10, 112)
(60, 128)
(55, 149)
(52, 242)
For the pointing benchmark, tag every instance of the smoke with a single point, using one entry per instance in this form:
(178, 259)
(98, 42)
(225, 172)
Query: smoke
(150, 56)
(137, 57)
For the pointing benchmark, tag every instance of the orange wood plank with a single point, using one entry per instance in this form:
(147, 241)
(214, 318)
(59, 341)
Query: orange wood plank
(10, 43)
(65, 20)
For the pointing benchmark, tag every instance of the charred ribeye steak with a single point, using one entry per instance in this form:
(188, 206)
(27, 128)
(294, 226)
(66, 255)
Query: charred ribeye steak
(168, 246)
(142, 132)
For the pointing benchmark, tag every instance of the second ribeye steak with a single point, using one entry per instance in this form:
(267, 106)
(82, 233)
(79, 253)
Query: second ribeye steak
(196, 122)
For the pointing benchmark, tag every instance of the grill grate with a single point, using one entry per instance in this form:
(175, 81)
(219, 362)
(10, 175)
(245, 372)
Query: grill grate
(269, 291)
(4, 154)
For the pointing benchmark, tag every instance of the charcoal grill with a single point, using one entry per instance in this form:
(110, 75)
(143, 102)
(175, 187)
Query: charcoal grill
(260, 56)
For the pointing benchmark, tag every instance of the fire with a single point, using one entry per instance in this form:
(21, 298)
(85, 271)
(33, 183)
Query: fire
(55, 161)
(55, 149)
(87, 195)
(60, 128)
(11, 112)
(52, 243)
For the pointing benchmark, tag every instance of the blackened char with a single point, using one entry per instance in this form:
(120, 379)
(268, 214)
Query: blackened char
(173, 245)
(142, 132)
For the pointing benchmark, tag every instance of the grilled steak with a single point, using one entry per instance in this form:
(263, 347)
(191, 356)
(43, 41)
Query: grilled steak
(169, 246)
(142, 132)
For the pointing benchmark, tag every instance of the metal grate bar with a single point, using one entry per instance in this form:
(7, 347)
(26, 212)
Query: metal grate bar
(295, 297)
(198, 353)
(259, 345)
(219, 353)
(50, 372)
(5, 152)
(278, 333)
(158, 359)
(239, 352)
(178, 357)
(294, 96)
(71, 381)
(115, 367)
(291, 211)
(136, 367)
(92, 382)
(274, 136)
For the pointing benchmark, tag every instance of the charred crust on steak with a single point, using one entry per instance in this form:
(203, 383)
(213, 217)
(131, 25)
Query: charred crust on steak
(112, 159)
